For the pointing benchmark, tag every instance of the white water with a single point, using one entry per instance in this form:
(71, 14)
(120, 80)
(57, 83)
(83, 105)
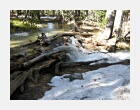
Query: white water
(21, 34)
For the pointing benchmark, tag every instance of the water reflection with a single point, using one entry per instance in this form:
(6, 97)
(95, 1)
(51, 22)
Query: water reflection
(25, 37)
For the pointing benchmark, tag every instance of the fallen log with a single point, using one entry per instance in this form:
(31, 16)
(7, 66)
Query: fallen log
(39, 58)
(90, 65)
(73, 64)
(17, 64)
(17, 82)
(33, 74)
(55, 36)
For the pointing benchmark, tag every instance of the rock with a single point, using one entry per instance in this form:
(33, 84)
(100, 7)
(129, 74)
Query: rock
(75, 76)
(122, 45)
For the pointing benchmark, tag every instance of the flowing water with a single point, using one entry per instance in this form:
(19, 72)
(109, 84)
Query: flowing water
(22, 38)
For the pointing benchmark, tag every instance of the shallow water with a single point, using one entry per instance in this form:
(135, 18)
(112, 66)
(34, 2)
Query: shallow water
(22, 38)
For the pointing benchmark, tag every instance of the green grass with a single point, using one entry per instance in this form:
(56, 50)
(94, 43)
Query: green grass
(18, 25)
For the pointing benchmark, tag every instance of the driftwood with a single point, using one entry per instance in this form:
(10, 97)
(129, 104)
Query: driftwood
(73, 64)
(52, 37)
(33, 73)
(93, 66)
(39, 58)
(17, 82)
(18, 78)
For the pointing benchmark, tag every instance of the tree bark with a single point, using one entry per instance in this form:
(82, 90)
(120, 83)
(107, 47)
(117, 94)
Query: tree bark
(52, 37)
(39, 58)
(33, 73)
(59, 68)
(73, 64)
(118, 23)
(110, 23)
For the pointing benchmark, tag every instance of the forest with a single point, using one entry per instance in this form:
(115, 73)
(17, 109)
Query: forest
(69, 54)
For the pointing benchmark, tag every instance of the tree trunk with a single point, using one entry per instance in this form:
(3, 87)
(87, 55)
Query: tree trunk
(38, 14)
(42, 13)
(73, 64)
(18, 12)
(27, 13)
(52, 37)
(118, 23)
(53, 14)
(110, 16)
(87, 13)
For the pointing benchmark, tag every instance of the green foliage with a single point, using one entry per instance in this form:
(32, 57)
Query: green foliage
(126, 12)
(18, 25)
(103, 22)
(93, 15)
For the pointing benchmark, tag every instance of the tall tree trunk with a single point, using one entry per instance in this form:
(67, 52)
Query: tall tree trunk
(87, 13)
(118, 23)
(27, 12)
(78, 12)
(53, 14)
(38, 14)
(42, 13)
(110, 16)
(77, 15)
(12, 12)
(18, 12)
(121, 24)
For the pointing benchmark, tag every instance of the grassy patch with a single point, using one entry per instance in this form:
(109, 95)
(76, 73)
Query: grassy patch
(18, 25)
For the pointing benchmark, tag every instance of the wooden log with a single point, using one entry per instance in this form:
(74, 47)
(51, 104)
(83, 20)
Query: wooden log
(73, 64)
(52, 37)
(39, 58)
(19, 80)
(33, 73)
(85, 67)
